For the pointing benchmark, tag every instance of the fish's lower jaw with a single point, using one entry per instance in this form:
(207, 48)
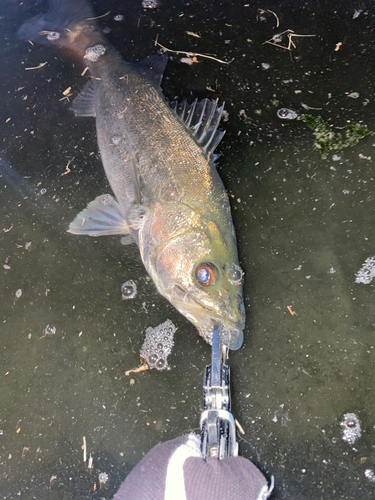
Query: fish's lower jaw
(233, 338)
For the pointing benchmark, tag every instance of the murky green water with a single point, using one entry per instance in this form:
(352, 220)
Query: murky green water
(304, 226)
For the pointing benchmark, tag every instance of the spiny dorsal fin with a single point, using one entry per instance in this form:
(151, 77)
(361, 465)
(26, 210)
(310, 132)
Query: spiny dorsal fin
(202, 119)
(152, 67)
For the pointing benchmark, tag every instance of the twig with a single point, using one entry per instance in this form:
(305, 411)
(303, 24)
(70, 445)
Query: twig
(290, 35)
(84, 449)
(191, 54)
(290, 310)
(271, 12)
(37, 67)
(103, 15)
(67, 169)
(239, 426)
(141, 368)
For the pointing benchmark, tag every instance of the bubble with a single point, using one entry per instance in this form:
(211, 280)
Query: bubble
(370, 475)
(152, 359)
(116, 139)
(106, 199)
(103, 477)
(287, 114)
(128, 290)
(367, 271)
(93, 53)
(158, 345)
(150, 4)
(160, 364)
(49, 330)
(53, 35)
(351, 428)
(235, 274)
(43, 191)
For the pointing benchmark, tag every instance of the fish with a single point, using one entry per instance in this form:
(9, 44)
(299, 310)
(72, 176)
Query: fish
(159, 159)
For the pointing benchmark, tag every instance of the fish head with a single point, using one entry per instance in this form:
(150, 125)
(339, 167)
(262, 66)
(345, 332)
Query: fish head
(198, 271)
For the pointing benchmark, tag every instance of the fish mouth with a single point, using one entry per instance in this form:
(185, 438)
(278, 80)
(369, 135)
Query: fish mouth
(204, 318)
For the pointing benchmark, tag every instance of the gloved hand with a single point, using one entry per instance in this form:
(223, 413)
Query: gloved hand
(175, 470)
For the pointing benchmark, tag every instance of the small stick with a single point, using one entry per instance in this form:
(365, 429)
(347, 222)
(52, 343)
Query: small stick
(290, 35)
(84, 449)
(192, 54)
(141, 368)
(290, 310)
(37, 67)
(239, 426)
(271, 12)
(103, 15)
(67, 170)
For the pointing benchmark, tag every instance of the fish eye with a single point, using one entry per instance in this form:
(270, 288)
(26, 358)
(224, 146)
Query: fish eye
(206, 273)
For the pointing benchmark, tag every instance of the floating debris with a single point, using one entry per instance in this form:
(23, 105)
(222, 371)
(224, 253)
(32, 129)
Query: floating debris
(287, 114)
(189, 60)
(370, 475)
(354, 95)
(93, 53)
(18, 293)
(351, 428)
(367, 271)
(327, 140)
(150, 4)
(43, 191)
(266, 66)
(128, 290)
(158, 345)
(49, 330)
(103, 478)
(27, 245)
(119, 17)
(53, 35)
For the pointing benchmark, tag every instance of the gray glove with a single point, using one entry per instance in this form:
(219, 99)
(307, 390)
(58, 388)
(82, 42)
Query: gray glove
(175, 470)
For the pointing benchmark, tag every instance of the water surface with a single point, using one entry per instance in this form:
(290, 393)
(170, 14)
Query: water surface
(304, 225)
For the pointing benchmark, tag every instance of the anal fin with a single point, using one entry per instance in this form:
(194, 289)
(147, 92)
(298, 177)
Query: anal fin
(103, 216)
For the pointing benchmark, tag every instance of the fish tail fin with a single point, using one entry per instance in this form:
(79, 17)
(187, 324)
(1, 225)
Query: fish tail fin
(65, 24)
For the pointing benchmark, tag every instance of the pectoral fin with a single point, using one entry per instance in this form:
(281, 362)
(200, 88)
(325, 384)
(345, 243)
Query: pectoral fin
(103, 216)
(84, 103)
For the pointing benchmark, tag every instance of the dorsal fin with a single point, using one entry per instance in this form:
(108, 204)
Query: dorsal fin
(202, 119)
(152, 67)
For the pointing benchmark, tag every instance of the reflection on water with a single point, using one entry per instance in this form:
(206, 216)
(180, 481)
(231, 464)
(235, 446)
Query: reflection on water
(297, 216)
